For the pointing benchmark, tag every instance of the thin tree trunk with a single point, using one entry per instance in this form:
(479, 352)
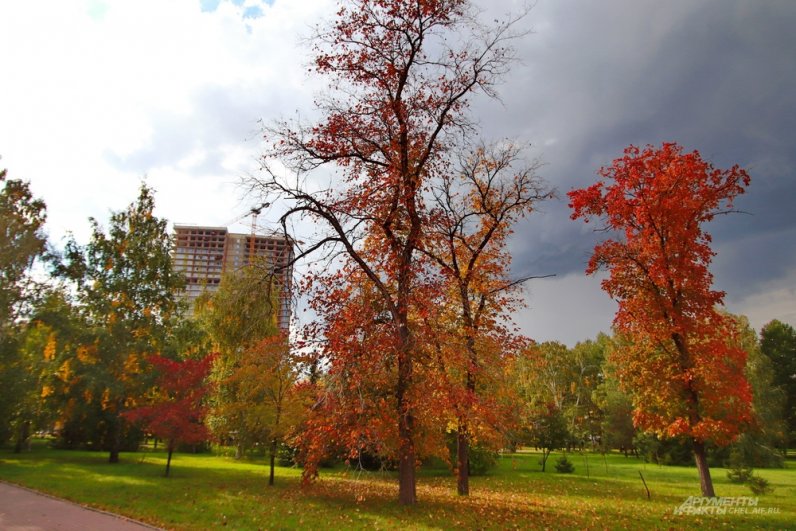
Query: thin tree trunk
(273, 456)
(115, 440)
(463, 436)
(168, 459)
(463, 459)
(705, 481)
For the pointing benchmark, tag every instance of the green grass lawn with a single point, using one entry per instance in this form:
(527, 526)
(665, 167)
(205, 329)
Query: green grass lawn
(213, 491)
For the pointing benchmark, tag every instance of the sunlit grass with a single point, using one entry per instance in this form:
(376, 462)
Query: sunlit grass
(211, 491)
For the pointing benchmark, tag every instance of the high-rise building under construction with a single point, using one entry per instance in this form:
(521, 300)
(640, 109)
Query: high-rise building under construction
(204, 254)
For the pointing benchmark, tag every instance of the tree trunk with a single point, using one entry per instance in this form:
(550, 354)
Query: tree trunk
(463, 459)
(273, 456)
(239, 451)
(115, 440)
(407, 494)
(168, 459)
(545, 453)
(705, 481)
(463, 434)
(23, 433)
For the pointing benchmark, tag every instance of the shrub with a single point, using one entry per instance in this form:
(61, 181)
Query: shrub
(739, 471)
(564, 465)
(759, 485)
(482, 460)
(286, 455)
(740, 474)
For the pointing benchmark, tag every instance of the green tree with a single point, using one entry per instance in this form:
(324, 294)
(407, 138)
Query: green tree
(127, 292)
(758, 445)
(29, 363)
(551, 373)
(548, 431)
(241, 313)
(778, 342)
(271, 399)
(616, 407)
(585, 361)
(21, 240)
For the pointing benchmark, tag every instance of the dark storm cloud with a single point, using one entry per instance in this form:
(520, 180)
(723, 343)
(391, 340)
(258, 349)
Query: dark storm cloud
(717, 76)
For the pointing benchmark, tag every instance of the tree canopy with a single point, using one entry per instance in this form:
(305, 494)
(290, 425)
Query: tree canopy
(685, 372)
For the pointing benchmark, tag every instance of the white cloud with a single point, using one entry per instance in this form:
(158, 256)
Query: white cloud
(89, 86)
(775, 299)
(571, 308)
(96, 94)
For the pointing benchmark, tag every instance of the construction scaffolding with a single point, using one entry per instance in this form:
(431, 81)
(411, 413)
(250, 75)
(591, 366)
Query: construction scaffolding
(203, 254)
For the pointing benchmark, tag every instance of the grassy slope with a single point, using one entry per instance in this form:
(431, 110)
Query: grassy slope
(207, 492)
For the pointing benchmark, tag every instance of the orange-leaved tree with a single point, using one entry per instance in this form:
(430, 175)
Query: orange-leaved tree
(685, 373)
(354, 415)
(175, 412)
(400, 75)
(473, 213)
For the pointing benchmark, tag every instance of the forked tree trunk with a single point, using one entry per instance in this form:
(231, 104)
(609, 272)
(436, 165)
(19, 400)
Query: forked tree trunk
(705, 481)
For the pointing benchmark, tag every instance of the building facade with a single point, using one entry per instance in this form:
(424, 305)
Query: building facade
(204, 254)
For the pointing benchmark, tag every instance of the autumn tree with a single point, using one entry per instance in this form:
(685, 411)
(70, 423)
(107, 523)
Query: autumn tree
(127, 293)
(685, 373)
(29, 366)
(272, 399)
(354, 414)
(175, 409)
(22, 239)
(472, 215)
(400, 76)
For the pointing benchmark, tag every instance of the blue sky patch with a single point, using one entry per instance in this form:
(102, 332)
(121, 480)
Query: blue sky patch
(208, 6)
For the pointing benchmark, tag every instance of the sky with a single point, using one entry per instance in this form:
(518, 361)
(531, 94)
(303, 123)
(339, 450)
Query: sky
(97, 96)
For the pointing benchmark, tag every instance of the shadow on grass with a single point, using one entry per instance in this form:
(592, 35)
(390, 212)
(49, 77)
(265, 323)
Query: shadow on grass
(207, 491)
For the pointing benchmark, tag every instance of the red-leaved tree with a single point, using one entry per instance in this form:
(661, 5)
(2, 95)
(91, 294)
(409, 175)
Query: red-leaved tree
(176, 412)
(400, 75)
(681, 365)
